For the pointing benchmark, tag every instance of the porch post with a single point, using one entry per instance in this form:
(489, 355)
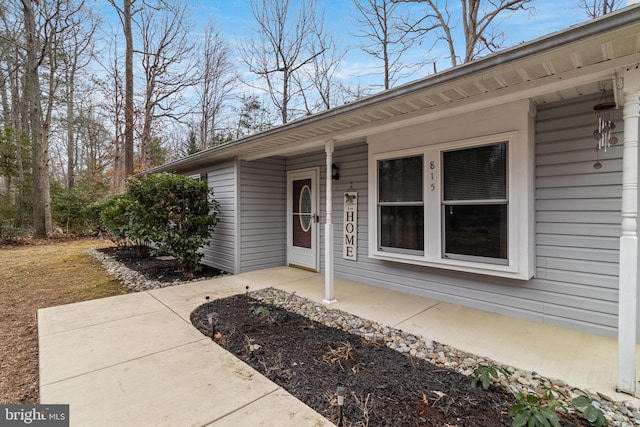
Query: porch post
(628, 285)
(328, 228)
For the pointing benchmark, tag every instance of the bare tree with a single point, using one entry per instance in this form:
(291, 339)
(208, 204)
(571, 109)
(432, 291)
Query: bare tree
(168, 68)
(321, 73)
(12, 82)
(110, 84)
(77, 55)
(597, 8)
(217, 79)
(479, 18)
(282, 49)
(379, 24)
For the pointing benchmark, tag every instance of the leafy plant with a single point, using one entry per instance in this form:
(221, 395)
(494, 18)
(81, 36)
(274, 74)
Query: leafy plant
(532, 411)
(484, 373)
(591, 413)
(175, 213)
(260, 311)
(115, 217)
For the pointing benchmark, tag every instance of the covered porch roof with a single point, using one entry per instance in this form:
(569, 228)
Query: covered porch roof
(561, 65)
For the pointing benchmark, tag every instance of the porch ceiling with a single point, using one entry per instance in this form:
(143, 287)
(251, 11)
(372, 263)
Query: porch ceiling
(559, 66)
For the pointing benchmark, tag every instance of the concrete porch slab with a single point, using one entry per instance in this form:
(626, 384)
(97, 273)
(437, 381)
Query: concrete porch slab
(583, 360)
(278, 276)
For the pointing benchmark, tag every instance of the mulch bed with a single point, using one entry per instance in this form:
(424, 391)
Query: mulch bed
(158, 268)
(383, 387)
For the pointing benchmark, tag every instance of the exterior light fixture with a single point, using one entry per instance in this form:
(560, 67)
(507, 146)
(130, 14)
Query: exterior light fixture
(335, 172)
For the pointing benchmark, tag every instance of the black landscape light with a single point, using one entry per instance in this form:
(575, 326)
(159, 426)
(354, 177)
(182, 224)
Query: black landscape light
(247, 288)
(340, 392)
(212, 318)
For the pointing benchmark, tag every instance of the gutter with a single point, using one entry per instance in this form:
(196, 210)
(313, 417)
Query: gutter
(627, 16)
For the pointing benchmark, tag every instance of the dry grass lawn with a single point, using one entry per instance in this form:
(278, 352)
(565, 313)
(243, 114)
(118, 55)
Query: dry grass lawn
(33, 277)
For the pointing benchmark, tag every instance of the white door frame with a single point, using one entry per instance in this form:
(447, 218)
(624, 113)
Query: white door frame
(299, 257)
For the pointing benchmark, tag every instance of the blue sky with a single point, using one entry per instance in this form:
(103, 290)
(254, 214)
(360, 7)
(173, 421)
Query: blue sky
(235, 22)
(234, 18)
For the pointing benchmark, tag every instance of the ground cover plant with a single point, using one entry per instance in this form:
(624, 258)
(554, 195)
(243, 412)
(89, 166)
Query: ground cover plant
(382, 386)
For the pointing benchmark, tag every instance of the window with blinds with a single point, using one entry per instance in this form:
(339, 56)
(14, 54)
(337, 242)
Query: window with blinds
(475, 202)
(401, 204)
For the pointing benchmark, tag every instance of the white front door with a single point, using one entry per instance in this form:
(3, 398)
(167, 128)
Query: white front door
(302, 219)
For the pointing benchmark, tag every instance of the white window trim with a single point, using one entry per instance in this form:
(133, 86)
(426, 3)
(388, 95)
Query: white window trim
(519, 221)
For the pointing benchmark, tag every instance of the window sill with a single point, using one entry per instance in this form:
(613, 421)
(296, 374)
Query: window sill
(496, 270)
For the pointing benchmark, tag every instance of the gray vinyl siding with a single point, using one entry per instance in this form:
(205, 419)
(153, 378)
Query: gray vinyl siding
(578, 211)
(262, 186)
(577, 231)
(220, 253)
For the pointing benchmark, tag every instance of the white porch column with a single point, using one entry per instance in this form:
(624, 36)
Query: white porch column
(628, 285)
(328, 228)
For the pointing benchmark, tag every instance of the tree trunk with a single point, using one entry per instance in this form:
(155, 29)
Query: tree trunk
(42, 224)
(71, 146)
(128, 97)
(19, 127)
(39, 149)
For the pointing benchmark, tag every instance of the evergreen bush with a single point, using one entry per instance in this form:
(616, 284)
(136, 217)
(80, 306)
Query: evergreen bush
(174, 212)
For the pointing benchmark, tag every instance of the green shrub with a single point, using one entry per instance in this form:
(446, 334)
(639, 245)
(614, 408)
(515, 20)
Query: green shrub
(72, 208)
(15, 217)
(174, 212)
(115, 218)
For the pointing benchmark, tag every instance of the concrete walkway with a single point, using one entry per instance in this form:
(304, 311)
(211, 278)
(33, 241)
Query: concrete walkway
(136, 360)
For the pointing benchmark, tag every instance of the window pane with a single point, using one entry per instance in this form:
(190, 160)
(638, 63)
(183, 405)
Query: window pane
(476, 230)
(478, 173)
(400, 180)
(402, 227)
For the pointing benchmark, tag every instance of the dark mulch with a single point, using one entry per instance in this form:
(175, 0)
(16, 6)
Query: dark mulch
(155, 268)
(383, 387)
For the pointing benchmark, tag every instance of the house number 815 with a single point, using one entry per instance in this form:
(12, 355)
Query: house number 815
(432, 166)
